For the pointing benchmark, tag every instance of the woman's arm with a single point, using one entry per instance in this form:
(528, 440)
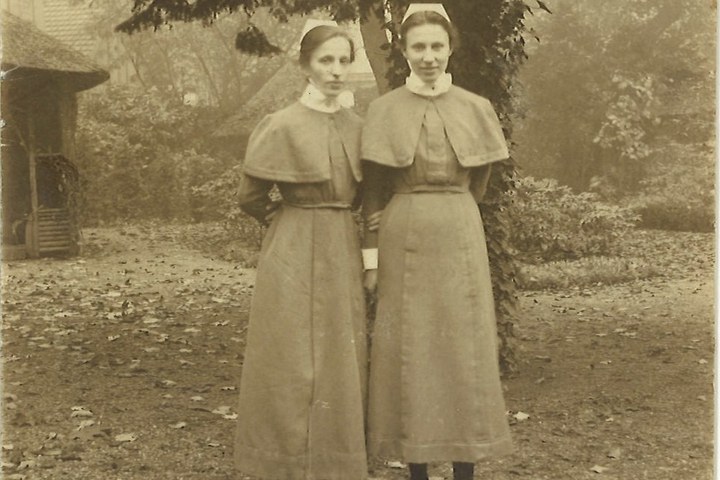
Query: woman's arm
(479, 178)
(376, 194)
(254, 198)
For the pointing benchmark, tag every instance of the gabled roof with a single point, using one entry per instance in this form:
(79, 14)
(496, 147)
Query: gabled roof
(26, 47)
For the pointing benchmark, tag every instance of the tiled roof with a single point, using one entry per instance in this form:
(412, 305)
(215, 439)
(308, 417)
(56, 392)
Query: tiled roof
(69, 23)
(24, 46)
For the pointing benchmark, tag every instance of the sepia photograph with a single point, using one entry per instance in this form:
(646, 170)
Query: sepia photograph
(358, 239)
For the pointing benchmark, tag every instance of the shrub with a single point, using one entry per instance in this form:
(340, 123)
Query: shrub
(217, 200)
(139, 154)
(550, 222)
(681, 194)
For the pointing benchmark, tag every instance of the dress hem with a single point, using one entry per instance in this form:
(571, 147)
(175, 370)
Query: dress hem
(439, 452)
(276, 466)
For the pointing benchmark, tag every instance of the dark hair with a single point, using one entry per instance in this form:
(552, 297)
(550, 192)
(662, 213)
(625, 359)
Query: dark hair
(316, 36)
(425, 17)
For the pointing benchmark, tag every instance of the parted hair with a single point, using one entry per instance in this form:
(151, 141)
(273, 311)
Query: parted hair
(316, 36)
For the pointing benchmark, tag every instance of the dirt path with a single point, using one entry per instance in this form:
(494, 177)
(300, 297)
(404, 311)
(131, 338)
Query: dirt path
(124, 365)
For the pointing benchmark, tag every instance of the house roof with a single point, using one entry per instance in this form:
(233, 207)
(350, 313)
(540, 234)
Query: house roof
(281, 90)
(25, 47)
(68, 22)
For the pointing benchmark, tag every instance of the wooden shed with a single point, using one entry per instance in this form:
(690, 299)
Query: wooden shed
(41, 77)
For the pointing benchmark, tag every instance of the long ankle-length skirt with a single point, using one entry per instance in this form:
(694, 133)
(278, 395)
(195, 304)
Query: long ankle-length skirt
(302, 390)
(435, 392)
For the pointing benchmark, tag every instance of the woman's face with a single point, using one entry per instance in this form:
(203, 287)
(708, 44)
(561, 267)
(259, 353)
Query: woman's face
(329, 65)
(427, 50)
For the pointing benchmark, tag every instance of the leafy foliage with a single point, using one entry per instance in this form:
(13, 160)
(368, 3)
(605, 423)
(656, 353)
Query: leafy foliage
(607, 83)
(155, 13)
(550, 222)
(217, 200)
(680, 195)
(138, 155)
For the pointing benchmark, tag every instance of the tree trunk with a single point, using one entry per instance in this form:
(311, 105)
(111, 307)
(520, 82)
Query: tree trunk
(232, 57)
(373, 34)
(134, 63)
(206, 70)
(168, 66)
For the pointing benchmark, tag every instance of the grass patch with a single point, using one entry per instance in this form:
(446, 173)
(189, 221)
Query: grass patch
(643, 254)
(585, 272)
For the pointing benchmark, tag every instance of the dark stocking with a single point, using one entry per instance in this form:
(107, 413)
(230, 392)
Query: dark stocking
(463, 470)
(418, 471)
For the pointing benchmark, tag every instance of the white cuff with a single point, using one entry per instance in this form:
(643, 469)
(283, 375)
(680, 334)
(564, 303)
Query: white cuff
(370, 258)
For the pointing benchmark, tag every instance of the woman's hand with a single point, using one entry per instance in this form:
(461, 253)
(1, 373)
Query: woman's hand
(373, 221)
(370, 281)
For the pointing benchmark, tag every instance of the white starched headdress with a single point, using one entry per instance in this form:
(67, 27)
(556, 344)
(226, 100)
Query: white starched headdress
(315, 22)
(427, 7)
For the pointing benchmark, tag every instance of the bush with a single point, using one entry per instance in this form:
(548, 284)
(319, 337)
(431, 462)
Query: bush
(140, 153)
(550, 222)
(681, 194)
(217, 200)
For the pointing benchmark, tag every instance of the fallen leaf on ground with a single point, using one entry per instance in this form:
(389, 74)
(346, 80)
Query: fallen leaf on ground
(80, 412)
(85, 424)
(126, 437)
(521, 416)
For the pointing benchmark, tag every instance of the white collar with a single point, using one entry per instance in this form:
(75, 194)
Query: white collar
(314, 99)
(418, 87)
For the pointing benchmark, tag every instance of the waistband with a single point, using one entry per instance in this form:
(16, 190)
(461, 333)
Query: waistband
(432, 189)
(331, 205)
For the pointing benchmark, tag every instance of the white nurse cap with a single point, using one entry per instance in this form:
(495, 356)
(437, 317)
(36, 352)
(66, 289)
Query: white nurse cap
(315, 22)
(429, 7)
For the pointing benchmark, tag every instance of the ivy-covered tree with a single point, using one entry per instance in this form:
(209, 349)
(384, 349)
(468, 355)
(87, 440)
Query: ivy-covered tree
(493, 47)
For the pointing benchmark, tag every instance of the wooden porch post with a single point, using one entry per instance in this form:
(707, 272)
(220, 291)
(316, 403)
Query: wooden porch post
(32, 159)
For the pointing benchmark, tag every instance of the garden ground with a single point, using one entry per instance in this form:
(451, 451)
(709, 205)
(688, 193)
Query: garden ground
(124, 364)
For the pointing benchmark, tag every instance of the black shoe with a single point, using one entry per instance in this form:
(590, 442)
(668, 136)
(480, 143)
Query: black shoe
(463, 471)
(418, 471)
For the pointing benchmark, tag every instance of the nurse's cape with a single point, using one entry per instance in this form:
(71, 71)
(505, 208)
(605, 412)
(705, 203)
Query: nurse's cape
(393, 124)
(292, 145)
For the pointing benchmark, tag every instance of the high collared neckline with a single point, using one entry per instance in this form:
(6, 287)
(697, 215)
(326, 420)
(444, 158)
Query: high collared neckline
(415, 84)
(314, 99)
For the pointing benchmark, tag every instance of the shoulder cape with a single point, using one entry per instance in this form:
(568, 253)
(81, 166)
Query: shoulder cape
(393, 124)
(292, 145)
